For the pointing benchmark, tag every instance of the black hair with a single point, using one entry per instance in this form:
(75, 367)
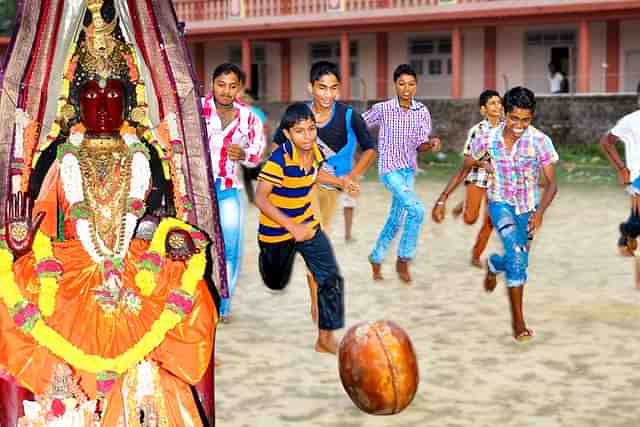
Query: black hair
(404, 69)
(295, 113)
(228, 68)
(323, 68)
(519, 97)
(486, 95)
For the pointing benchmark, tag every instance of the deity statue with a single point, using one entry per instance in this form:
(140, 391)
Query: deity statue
(106, 314)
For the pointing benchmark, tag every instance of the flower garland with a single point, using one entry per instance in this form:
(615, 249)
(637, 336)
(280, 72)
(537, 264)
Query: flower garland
(29, 319)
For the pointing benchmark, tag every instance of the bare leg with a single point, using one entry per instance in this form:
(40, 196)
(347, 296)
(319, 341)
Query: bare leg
(326, 342)
(636, 264)
(457, 210)
(520, 331)
(348, 223)
(313, 291)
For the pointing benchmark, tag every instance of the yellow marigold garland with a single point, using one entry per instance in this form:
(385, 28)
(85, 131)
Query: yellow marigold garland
(60, 346)
(43, 250)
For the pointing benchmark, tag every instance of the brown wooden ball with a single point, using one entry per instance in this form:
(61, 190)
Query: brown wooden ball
(378, 367)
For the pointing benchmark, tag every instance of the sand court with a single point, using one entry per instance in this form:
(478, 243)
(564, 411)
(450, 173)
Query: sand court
(582, 368)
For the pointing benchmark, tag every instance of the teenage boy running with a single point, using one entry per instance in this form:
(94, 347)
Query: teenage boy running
(288, 223)
(405, 128)
(517, 153)
(477, 179)
(340, 129)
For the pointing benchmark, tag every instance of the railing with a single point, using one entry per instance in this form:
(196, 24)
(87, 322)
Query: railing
(207, 10)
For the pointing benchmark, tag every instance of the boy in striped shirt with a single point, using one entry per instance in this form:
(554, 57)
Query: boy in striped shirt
(288, 223)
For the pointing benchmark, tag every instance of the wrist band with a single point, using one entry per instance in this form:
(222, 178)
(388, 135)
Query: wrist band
(439, 203)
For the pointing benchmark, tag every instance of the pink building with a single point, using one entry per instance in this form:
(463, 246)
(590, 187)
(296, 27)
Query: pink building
(458, 47)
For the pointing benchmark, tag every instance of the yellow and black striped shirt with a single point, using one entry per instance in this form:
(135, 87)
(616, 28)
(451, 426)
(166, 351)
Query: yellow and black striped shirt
(291, 191)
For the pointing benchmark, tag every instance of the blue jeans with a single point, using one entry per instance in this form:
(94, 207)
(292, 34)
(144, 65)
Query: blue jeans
(406, 208)
(513, 231)
(231, 209)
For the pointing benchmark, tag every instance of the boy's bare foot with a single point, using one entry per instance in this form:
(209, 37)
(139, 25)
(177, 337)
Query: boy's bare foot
(490, 280)
(376, 271)
(326, 342)
(457, 211)
(402, 267)
(476, 262)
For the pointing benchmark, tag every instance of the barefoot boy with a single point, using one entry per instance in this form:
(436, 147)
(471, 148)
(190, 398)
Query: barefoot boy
(627, 130)
(477, 179)
(288, 223)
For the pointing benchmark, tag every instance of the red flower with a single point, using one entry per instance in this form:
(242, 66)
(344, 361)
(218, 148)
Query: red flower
(57, 408)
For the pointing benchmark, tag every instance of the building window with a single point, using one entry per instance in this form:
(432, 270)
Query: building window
(258, 55)
(330, 51)
(435, 67)
(432, 53)
(417, 65)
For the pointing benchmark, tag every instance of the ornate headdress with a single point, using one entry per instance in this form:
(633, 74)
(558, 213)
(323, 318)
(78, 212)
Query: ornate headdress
(101, 53)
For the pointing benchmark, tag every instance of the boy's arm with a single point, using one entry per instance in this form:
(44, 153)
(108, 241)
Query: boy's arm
(438, 211)
(345, 183)
(549, 192)
(300, 232)
(608, 145)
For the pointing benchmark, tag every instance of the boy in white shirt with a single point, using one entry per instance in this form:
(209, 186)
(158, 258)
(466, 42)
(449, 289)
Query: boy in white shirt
(627, 130)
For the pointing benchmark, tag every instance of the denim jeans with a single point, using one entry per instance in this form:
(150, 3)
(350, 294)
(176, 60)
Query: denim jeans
(276, 263)
(406, 208)
(513, 231)
(231, 209)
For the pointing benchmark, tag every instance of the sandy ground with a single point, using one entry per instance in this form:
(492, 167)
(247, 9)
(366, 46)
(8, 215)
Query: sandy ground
(582, 368)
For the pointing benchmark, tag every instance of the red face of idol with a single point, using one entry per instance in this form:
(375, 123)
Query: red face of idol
(102, 108)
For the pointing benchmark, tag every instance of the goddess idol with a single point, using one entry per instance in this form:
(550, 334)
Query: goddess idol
(105, 311)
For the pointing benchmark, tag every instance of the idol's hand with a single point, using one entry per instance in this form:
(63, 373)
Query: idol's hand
(20, 228)
(179, 245)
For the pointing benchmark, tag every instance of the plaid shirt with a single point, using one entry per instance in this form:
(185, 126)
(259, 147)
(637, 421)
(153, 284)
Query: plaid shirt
(516, 179)
(245, 130)
(478, 176)
(401, 132)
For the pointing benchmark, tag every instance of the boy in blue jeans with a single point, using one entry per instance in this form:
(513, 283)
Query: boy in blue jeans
(517, 153)
(288, 224)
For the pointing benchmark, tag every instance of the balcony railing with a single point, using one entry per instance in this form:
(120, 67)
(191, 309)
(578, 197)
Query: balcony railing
(207, 10)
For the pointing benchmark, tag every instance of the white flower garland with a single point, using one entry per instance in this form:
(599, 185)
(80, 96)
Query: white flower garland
(72, 184)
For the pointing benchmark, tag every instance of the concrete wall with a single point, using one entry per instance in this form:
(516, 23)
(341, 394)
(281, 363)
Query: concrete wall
(567, 119)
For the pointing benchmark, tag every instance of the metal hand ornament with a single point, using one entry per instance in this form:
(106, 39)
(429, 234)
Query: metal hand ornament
(20, 227)
(179, 245)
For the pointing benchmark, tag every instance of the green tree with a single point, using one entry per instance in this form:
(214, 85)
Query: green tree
(7, 16)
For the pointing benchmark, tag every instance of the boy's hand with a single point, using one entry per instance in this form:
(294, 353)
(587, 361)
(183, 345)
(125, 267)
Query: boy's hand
(438, 212)
(350, 186)
(535, 221)
(435, 144)
(486, 165)
(624, 177)
(302, 232)
(236, 152)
